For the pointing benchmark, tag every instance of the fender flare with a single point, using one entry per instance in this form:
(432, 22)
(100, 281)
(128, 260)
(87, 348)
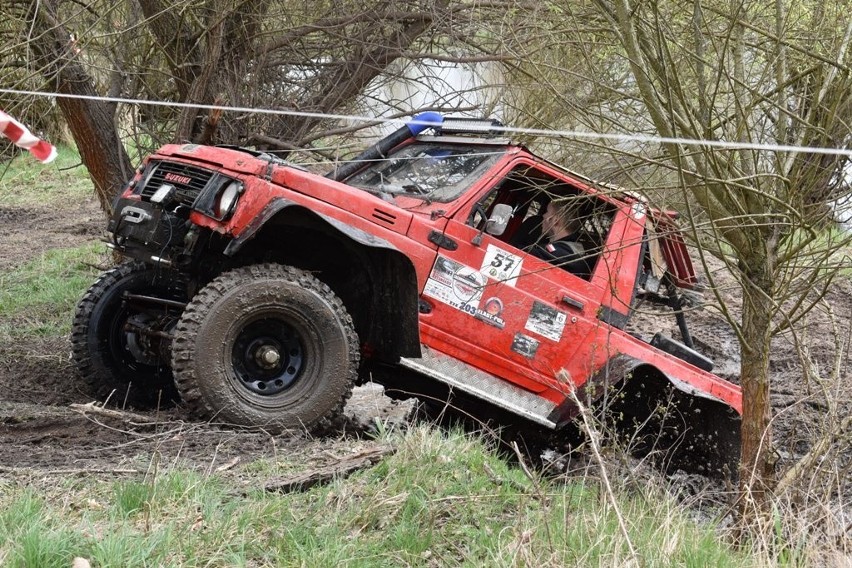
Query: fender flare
(615, 370)
(611, 373)
(278, 204)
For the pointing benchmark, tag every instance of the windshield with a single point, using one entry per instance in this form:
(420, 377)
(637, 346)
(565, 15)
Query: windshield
(428, 171)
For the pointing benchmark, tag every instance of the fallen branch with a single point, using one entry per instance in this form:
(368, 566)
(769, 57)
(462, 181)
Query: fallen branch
(91, 408)
(341, 468)
(816, 454)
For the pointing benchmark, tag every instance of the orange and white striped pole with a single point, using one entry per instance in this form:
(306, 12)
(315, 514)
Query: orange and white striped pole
(43, 151)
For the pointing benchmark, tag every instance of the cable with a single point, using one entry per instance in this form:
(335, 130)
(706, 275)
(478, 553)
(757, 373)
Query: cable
(500, 129)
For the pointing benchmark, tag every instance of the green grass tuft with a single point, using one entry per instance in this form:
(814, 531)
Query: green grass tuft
(38, 298)
(45, 548)
(25, 182)
(16, 517)
(133, 497)
(28, 537)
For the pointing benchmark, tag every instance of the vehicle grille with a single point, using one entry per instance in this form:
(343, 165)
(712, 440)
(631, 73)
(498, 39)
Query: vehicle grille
(188, 181)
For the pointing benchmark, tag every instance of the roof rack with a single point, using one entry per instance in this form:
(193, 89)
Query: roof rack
(461, 125)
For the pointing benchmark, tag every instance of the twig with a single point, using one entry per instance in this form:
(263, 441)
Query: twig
(524, 467)
(124, 416)
(341, 468)
(591, 433)
(227, 466)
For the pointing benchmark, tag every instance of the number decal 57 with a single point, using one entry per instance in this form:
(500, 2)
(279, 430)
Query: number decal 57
(501, 265)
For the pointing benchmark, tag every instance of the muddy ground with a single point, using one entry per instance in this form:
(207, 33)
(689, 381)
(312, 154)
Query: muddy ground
(40, 431)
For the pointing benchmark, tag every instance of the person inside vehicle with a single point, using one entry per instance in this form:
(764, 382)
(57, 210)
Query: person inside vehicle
(561, 232)
(529, 231)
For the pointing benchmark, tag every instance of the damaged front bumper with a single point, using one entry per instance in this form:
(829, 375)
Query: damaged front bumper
(147, 232)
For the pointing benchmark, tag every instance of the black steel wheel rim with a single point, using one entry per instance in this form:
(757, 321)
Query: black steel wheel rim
(267, 356)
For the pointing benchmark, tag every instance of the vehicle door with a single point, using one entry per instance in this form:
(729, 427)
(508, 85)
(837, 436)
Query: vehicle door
(502, 310)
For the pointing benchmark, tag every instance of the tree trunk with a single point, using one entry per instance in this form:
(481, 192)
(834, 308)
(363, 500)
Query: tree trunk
(756, 466)
(91, 122)
(177, 41)
(95, 135)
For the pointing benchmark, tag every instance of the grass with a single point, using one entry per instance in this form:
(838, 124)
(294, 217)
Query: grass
(38, 298)
(24, 182)
(444, 499)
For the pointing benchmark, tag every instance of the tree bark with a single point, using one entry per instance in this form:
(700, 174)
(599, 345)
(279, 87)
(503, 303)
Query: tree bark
(91, 122)
(756, 465)
(176, 41)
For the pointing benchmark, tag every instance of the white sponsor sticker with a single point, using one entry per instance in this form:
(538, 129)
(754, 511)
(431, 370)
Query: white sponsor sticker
(546, 321)
(455, 284)
(501, 265)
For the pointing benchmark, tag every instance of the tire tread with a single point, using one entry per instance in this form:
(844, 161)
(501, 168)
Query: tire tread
(186, 377)
(100, 381)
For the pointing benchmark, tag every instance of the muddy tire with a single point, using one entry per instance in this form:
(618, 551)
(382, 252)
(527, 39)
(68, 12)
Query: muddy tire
(266, 346)
(116, 363)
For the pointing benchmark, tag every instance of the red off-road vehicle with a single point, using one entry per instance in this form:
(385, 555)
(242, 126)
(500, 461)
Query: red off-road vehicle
(260, 293)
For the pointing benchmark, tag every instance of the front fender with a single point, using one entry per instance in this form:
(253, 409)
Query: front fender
(279, 204)
(376, 281)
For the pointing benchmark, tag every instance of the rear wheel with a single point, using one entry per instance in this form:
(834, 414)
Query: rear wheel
(675, 428)
(268, 346)
(117, 337)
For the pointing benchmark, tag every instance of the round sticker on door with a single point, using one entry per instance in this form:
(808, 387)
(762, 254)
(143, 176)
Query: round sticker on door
(492, 312)
(468, 285)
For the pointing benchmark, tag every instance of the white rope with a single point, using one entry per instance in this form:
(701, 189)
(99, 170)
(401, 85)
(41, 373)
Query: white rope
(503, 129)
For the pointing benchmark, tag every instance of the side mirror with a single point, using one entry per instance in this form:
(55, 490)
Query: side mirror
(499, 219)
(496, 224)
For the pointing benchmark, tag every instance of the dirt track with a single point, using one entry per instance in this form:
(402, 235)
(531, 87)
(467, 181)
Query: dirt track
(37, 385)
(40, 431)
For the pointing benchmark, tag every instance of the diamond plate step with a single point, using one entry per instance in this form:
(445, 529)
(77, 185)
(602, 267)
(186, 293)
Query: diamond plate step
(482, 385)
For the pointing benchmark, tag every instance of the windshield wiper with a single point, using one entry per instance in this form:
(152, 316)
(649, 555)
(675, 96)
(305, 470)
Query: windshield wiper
(415, 189)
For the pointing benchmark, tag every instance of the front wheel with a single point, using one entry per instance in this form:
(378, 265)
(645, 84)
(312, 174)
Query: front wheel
(117, 335)
(266, 346)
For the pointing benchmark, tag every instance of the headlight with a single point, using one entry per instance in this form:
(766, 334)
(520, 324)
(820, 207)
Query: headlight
(227, 199)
